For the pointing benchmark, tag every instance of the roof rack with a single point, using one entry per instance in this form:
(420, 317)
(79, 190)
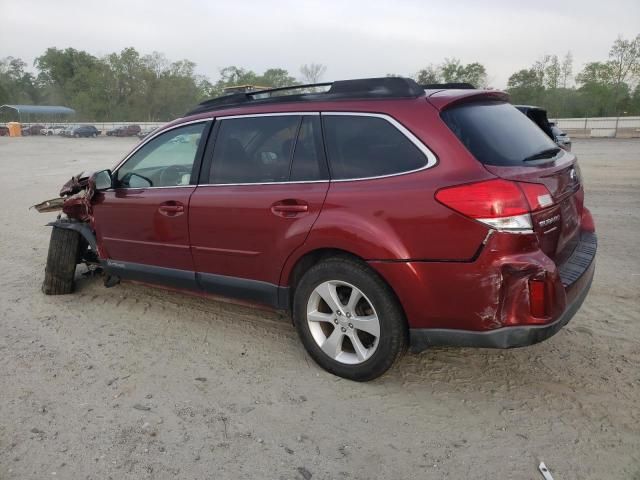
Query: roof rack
(450, 85)
(383, 87)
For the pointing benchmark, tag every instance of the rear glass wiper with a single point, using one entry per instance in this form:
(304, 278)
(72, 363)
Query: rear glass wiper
(548, 153)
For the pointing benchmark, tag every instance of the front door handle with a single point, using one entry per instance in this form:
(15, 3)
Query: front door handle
(289, 208)
(171, 208)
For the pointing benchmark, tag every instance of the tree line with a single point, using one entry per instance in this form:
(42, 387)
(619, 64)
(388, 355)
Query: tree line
(132, 86)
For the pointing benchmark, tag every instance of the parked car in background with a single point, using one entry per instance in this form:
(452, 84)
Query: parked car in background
(68, 131)
(86, 131)
(538, 116)
(561, 138)
(32, 129)
(382, 214)
(124, 131)
(4, 131)
(52, 130)
(147, 131)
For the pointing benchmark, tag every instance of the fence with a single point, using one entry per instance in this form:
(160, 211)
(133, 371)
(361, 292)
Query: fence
(599, 127)
(104, 126)
(595, 127)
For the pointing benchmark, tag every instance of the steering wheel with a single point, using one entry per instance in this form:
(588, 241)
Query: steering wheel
(171, 176)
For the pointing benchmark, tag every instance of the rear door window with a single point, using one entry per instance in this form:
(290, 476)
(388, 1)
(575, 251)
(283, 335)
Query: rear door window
(361, 146)
(254, 149)
(496, 133)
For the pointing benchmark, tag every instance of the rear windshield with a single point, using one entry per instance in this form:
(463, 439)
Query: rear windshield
(497, 133)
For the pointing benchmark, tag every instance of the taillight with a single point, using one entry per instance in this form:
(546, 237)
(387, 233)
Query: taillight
(501, 204)
(537, 195)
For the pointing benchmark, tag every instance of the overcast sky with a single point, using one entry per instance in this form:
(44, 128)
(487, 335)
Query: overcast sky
(353, 38)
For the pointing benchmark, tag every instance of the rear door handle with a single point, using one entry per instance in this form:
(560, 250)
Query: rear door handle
(289, 208)
(171, 208)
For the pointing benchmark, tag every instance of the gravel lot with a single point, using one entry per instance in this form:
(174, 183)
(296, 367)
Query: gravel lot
(135, 382)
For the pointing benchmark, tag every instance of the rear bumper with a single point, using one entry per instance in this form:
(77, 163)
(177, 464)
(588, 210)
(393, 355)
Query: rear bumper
(576, 275)
(505, 337)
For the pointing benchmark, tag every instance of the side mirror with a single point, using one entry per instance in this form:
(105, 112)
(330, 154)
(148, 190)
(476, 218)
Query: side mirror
(102, 180)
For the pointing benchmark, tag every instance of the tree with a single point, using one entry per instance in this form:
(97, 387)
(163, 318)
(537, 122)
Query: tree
(17, 85)
(277, 77)
(236, 75)
(566, 69)
(525, 86)
(453, 71)
(312, 72)
(624, 63)
(475, 74)
(233, 76)
(428, 74)
(634, 104)
(552, 72)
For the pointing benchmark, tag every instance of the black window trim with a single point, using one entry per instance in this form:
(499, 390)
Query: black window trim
(197, 162)
(431, 158)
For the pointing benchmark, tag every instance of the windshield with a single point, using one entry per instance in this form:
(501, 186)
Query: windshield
(497, 133)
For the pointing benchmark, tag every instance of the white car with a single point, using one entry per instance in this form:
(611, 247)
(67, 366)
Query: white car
(68, 131)
(52, 130)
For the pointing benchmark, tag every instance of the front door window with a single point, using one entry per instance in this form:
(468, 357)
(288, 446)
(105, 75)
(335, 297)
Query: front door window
(165, 161)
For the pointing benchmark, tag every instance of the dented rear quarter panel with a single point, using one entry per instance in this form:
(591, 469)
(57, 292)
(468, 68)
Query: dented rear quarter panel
(487, 293)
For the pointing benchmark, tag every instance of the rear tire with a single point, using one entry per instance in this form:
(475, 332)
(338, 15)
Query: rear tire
(373, 355)
(61, 262)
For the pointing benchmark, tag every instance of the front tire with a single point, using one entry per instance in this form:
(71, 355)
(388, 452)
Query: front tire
(349, 320)
(61, 262)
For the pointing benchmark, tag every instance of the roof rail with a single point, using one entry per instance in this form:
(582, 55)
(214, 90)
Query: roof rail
(450, 85)
(383, 87)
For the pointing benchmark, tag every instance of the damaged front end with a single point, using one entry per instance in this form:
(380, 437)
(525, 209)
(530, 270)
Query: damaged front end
(74, 200)
(75, 205)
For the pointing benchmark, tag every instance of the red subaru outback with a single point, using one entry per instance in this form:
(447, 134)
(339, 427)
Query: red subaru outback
(380, 213)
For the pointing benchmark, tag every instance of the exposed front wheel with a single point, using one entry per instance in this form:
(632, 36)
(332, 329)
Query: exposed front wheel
(61, 262)
(349, 319)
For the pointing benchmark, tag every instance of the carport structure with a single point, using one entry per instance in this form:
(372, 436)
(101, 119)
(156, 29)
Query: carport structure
(34, 113)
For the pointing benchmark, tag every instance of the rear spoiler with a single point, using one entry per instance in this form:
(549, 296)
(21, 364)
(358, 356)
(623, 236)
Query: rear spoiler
(448, 98)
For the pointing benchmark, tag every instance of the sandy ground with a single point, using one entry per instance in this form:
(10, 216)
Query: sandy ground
(134, 382)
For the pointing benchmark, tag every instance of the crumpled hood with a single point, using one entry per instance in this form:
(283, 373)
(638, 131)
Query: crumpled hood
(75, 199)
(75, 184)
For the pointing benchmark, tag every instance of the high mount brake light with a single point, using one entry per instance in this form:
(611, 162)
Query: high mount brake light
(500, 204)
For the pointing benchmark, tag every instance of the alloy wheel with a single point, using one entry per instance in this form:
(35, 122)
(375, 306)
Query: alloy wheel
(343, 322)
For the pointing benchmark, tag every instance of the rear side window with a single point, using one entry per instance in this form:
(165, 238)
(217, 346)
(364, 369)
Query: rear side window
(367, 146)
(497, 133)
(254, 149)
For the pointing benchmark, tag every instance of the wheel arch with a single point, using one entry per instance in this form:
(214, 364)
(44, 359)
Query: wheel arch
(310, 258)
(82, 228)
